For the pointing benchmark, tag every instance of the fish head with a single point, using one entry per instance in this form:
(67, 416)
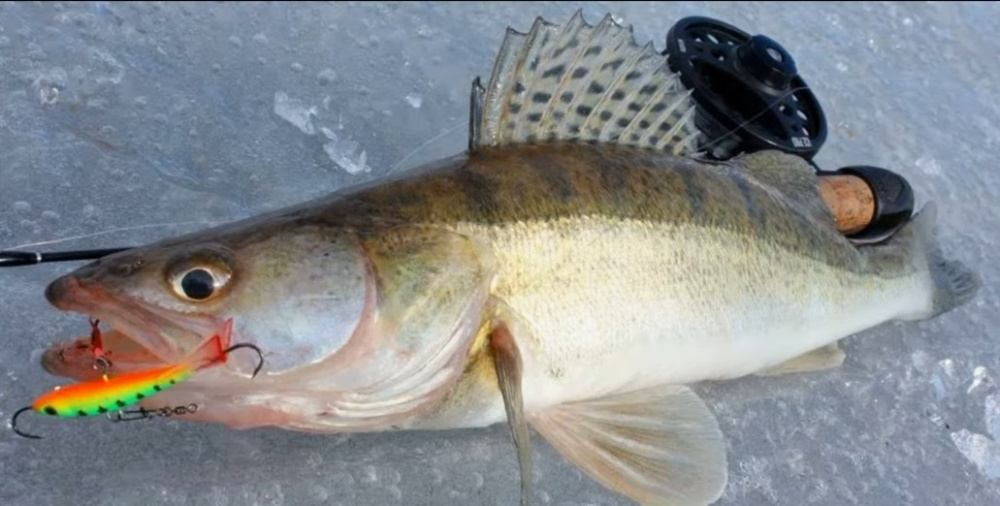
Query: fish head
(356, 331)
(297, 292)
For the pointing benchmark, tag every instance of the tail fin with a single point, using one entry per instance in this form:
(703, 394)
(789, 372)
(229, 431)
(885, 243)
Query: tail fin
(213, 350)
(952, 283)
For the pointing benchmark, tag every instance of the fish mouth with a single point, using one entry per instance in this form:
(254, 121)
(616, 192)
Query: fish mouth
(135, 336)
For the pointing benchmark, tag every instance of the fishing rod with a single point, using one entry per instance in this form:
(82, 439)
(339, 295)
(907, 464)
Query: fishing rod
(20, 258)
(749, 97)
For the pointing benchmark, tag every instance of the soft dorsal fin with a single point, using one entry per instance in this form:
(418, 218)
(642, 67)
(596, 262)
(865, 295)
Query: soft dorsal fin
(586, 83)
(791, 176)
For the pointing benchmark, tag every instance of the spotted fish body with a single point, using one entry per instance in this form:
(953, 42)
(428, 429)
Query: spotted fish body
(574, 270)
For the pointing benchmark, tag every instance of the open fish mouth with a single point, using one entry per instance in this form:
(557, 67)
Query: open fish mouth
(135, 335)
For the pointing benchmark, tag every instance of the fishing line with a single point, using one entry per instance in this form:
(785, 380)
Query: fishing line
(111, 231)
(425, 144)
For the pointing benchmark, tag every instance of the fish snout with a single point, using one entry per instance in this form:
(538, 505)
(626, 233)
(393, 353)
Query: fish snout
(64, 291)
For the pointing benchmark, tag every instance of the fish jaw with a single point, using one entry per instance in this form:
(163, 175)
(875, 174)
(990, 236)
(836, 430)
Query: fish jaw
(75, 359)
(140, 336)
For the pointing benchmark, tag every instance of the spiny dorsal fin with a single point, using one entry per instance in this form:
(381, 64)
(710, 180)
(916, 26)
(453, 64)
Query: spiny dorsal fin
(586, 83)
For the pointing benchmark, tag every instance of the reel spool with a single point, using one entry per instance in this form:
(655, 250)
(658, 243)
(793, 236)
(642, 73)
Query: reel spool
(749, 94)
(750, 97)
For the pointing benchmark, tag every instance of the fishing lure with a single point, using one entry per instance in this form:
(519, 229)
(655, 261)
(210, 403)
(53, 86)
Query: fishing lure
(106, 394)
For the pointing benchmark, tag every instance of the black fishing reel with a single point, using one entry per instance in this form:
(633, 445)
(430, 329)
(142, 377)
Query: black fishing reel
(750, 97)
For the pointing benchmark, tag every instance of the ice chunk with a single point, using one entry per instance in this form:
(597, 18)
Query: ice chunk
(344, 152)
(980, 450)
(295, 112)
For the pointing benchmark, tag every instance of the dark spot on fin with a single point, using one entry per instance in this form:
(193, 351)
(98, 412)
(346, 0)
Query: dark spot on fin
(557, 71)
(613, 64)
(541, 98)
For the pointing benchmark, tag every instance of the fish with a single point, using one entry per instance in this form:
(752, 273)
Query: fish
(574, 271)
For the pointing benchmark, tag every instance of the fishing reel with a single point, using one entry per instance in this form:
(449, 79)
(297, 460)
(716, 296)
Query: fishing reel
(750, 97)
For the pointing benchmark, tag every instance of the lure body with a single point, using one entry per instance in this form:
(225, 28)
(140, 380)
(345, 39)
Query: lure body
(106, 394)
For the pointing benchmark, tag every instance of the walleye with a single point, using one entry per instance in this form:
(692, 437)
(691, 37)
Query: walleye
(572, 272)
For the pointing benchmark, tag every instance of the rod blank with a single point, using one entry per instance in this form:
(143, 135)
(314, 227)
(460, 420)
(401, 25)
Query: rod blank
(18, 258)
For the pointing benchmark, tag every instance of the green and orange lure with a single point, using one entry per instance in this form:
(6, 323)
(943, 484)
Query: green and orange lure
(106, 394)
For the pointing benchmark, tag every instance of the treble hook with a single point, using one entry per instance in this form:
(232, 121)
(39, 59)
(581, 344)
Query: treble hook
(101, 360)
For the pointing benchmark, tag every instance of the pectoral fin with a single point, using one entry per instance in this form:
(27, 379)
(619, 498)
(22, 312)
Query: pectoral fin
(659, 446)
(820, 359)
(507, 359)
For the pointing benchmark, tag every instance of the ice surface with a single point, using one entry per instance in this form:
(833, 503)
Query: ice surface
(118, 116)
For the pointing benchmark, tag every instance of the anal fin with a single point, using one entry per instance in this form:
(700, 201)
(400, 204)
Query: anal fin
(820, 359)
(658, 446)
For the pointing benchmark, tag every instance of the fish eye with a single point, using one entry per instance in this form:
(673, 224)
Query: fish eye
(198, 284)
(199, 276)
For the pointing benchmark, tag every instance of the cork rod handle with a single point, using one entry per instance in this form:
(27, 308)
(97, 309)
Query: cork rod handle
(851, 201)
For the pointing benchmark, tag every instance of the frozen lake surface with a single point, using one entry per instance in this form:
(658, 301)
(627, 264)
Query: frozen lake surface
(129, 116)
